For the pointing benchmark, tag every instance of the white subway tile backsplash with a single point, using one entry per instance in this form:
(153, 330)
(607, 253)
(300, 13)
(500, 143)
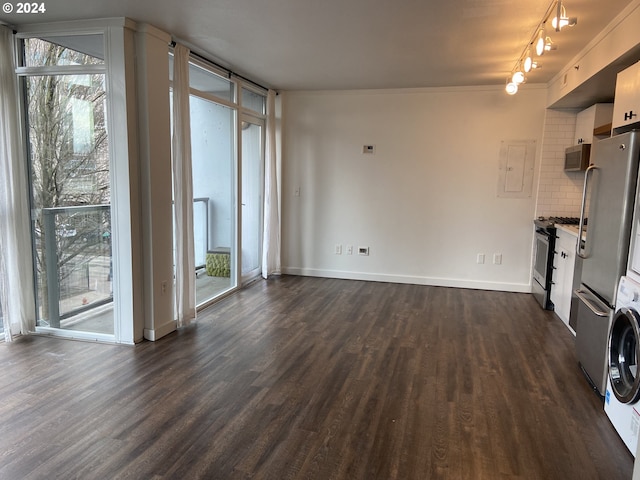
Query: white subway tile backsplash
(559, 192)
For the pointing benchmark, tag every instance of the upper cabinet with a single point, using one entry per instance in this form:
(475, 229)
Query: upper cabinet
(626, 109)
(596, 117)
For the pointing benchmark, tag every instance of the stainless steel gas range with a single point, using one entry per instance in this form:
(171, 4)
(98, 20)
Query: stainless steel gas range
(543, 253)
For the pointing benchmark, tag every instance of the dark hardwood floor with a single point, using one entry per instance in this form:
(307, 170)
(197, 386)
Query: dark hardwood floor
(308, 378)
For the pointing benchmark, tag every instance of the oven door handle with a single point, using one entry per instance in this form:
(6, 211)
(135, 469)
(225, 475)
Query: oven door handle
(582, 295)
(590, 169)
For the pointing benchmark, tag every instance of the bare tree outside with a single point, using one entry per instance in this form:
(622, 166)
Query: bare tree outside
(69, 169)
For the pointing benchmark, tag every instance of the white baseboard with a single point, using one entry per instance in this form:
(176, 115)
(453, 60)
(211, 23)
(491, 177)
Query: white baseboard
(157, 333)
(414, 280)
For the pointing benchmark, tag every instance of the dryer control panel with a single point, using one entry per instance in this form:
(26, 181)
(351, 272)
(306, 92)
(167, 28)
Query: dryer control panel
(628, 294)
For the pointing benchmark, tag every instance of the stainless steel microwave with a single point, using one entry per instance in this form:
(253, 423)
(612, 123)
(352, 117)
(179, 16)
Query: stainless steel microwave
(576, 158)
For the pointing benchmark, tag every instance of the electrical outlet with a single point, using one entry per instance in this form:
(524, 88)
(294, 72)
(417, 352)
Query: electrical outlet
(497, 259)
(370, 149)
(338, 250)
(350, 250)
(163, 288)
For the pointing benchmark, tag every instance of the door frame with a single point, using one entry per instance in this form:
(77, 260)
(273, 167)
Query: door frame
(248, 277)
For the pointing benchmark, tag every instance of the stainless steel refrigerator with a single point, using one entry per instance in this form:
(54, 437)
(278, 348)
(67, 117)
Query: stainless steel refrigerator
(608, 200)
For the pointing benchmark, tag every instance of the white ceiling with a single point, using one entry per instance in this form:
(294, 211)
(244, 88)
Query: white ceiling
(355, 44)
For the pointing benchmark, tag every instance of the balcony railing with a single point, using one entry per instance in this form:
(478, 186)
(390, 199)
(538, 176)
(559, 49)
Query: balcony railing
(74, 261)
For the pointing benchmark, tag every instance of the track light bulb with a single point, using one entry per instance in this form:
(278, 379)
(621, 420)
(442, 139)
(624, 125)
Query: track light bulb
(540, 43)
(511, 88)
(528, 63)
(518, 77)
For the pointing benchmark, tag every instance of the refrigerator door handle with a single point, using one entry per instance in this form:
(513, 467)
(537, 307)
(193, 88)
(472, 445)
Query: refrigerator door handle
(590, 169)
(582, 295)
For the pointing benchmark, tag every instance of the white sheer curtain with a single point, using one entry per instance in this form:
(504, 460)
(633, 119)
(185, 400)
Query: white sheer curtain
(271, 235)
(185, 289)
(16, 267)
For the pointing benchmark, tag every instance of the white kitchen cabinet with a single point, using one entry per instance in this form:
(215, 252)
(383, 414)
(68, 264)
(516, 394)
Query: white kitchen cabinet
(626, 108)
(564, 273)
(591, 118)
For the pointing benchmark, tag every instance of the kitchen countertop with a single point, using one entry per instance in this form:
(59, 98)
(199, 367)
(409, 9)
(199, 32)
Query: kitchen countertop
(572, 229)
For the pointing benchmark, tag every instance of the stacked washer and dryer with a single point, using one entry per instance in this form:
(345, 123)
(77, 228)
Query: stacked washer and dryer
(622, 396)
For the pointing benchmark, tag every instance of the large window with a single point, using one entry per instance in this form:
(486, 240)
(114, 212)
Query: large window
(64, 84)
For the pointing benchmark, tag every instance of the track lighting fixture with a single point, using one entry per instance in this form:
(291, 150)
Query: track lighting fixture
(561, 20)
(539, 43)
(544, 43)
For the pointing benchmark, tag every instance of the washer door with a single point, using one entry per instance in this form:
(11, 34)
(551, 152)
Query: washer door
(624, 345)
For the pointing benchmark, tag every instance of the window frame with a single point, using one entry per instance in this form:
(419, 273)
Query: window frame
(116, 35)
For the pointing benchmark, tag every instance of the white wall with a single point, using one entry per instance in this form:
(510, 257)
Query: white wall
(425, 203)
(153, 139)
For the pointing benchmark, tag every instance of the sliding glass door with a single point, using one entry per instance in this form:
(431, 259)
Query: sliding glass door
(214, 213)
